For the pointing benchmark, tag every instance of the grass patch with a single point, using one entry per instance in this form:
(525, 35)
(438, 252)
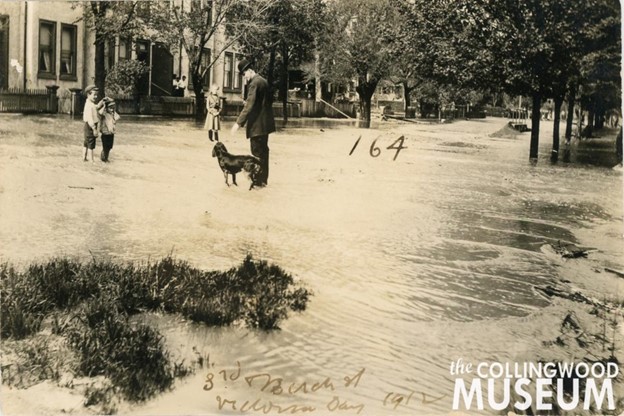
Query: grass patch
(133, 358)
(26, 363)
(258, 293)
(89, 304)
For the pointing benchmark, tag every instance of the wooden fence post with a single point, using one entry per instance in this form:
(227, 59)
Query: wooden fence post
(75, 101)
(52, 98)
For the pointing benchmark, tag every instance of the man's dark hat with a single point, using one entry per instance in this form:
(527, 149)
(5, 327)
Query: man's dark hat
(243, 66)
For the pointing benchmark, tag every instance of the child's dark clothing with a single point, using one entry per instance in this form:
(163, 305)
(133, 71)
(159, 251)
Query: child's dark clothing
(107, 128)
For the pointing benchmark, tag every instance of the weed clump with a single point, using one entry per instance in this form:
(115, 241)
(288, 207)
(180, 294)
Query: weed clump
(23, 305)
(89, 305)
(255, 292)
(133, 358)
(267, 293)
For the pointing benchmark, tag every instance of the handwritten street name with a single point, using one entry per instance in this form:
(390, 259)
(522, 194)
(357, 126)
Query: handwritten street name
(265, 383)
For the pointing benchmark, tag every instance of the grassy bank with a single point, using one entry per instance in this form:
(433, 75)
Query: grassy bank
(87, 306)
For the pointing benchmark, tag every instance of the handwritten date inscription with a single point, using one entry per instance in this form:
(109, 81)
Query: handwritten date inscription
(265, 384)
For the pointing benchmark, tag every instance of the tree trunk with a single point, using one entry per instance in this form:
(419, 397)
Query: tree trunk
(618, 146)
(569, 122)
(535, 122)
(366, 91)
(599, 114)
(318, 88)
(407, 102)
(589, 129)
(200, 99)
(100, 68)
(406, 95)
(285, 82)
(570, 115)
(99, 11)
(554, 154)
(271, 72)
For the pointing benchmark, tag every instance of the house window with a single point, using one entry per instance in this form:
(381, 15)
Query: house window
(47, 46)
(124, 49)
(238, 77)
(228, 71)
(68, 51)
(143, 51)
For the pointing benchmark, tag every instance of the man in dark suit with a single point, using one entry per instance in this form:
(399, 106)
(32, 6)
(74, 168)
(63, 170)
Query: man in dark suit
(257, 114)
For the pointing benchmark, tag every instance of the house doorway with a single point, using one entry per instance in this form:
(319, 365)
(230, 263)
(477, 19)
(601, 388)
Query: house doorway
(143, 55)
(4, 52)
(162, 70)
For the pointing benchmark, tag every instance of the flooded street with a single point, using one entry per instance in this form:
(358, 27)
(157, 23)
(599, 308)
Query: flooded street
(416, 257)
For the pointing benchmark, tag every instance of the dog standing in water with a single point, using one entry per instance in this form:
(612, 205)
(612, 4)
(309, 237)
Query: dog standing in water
(232, 164)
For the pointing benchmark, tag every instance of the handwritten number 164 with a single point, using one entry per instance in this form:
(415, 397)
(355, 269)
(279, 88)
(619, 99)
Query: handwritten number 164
(376, 151)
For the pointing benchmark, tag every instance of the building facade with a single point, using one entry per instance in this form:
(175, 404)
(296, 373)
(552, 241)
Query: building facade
(43, 43)
(47, 43)
(223, 58)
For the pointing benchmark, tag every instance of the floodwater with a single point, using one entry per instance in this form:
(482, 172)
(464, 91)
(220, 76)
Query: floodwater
(414, 261)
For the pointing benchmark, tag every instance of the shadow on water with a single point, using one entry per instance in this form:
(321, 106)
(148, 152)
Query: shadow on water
(596, 153)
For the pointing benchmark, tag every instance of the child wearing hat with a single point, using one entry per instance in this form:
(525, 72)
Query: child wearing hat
(91, 121)
(108, 120)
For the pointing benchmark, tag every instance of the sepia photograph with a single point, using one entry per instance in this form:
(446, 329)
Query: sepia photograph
(311, 207)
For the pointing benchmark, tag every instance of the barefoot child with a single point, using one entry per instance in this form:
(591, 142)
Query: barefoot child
(108, 119)
(91, 120)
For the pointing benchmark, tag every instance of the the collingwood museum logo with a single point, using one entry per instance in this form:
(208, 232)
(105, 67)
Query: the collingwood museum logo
(533, 385)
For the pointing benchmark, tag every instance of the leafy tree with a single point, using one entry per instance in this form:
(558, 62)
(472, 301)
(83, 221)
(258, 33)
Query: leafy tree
(109, 19)
(577, 33)
(403, 53)
(193, 24)
(287, 35)
(359, 49)
(540, 46)
(441, 44)
(600, 65)
(321, 35)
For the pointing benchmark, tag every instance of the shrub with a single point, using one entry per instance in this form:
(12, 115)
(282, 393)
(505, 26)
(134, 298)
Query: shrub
(123, 78)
